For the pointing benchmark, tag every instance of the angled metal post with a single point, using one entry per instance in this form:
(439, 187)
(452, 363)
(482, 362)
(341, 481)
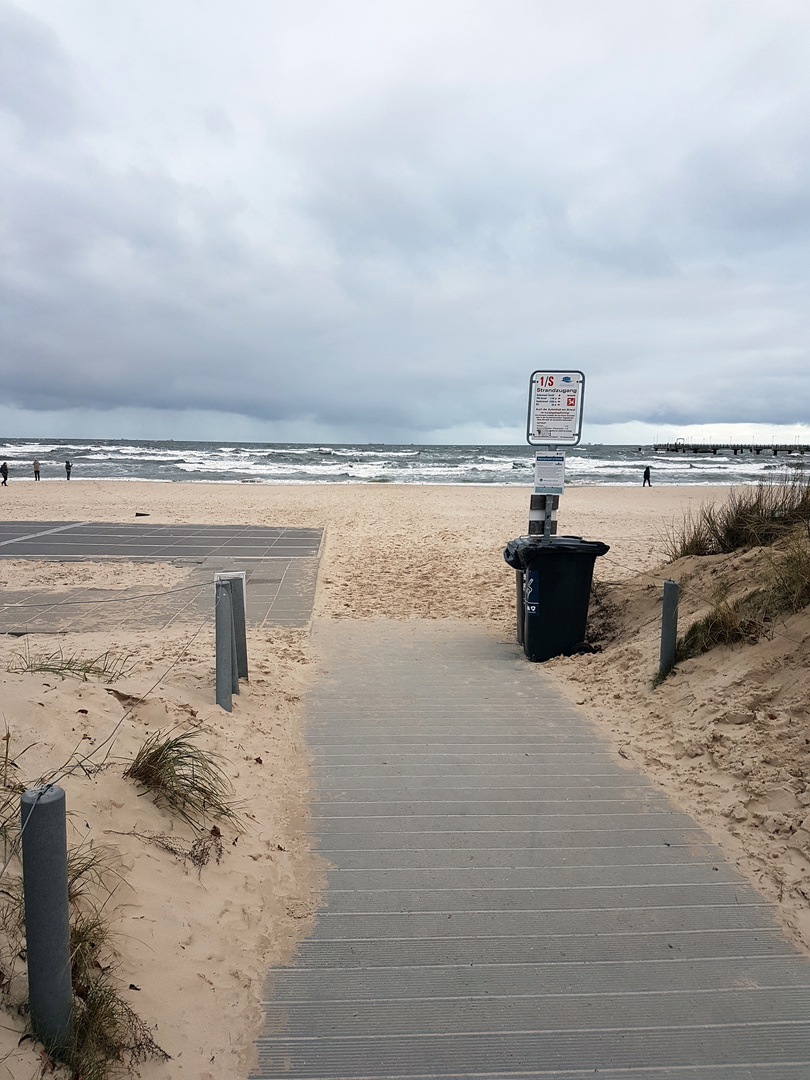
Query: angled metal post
(234, 658)
(47, 917)
(224, 645)
(238, 580)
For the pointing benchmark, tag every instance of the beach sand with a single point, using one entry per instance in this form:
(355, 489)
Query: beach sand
(722, 735)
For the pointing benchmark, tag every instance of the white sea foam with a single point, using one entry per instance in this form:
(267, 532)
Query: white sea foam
(370, 463)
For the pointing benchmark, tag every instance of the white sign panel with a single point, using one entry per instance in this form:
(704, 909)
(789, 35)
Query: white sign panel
(549, 473)
(555, 408)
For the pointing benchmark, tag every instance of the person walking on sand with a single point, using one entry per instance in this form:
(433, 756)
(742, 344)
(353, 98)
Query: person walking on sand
(36, 470)
(646, 482)
(68, 467)
(4, 473)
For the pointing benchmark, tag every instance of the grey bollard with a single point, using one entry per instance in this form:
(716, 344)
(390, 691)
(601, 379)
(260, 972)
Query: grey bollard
(669, 628)
(47, 917)
(238, 580)
(223, 623)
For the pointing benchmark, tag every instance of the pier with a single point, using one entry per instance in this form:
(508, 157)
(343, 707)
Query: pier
(681, 447)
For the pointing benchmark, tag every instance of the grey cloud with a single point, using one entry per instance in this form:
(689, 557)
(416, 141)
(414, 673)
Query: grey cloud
(434, 247)
(36, 80)
(218, 124)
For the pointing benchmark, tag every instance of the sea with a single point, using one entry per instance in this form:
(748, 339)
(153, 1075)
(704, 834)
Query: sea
(173, 461)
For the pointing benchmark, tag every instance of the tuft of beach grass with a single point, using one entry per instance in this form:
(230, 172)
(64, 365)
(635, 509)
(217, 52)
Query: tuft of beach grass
(185, 777)
(107, 667)
(785, 590)
(755, 516)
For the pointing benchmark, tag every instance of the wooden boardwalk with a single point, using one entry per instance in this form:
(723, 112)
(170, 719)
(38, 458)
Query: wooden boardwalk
(509, 898)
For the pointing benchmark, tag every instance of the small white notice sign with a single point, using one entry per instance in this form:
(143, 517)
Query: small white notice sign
(555, 408)
(549, 473)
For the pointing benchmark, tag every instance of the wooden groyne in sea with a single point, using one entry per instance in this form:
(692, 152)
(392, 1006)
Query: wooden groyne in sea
(681, 447)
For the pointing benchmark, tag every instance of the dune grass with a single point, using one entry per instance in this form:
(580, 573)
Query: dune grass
(785, 590)
(184, 777)
(726, 623)
(11, 788)
(789, 572)
(107, 667)
(774, 515)
(109, 1038)
(756, 516)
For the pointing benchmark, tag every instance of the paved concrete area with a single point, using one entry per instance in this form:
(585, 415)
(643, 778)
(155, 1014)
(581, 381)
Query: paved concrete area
(509, 898)
(281, 566)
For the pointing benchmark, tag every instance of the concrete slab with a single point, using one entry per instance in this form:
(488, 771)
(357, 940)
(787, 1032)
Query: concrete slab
(507, 897)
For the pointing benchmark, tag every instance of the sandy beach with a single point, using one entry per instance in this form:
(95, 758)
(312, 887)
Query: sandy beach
(725, 735)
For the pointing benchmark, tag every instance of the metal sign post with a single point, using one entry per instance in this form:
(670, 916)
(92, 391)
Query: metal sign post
(554, 422)
(549, 484)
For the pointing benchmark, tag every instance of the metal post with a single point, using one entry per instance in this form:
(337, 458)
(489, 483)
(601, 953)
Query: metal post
(238, 581)
(537, 514)
(669, 628)
(543, 515)
(543, 504)
(547, 521)
(47, 918)
(223, 621)
(234, 659)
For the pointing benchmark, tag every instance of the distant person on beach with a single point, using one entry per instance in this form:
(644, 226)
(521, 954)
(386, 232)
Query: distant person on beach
(68, 467)
(646, 482)
(36, 470)
(4, 472)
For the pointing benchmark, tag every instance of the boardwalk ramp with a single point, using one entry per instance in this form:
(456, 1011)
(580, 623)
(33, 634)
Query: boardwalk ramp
(508, 897)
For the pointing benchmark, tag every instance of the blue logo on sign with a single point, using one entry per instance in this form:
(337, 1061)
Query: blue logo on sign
(567, 378)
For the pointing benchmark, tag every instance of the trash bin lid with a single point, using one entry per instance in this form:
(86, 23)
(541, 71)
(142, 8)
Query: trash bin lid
(521, 551)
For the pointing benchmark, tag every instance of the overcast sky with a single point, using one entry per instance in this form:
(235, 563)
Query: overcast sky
(373, 219)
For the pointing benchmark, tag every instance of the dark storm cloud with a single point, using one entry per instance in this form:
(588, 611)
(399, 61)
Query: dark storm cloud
(396, 259)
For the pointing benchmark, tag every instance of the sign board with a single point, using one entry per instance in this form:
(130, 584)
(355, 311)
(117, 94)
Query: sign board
(549, 473)
(555, 408)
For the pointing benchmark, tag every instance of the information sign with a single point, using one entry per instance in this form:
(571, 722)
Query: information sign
(549, 473)
(555, 408)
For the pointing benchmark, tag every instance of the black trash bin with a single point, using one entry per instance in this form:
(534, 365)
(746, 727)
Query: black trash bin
(557, 577)
(520, 590)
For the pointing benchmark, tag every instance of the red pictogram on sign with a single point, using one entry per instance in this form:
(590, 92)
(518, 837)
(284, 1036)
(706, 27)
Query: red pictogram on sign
(572, 401)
